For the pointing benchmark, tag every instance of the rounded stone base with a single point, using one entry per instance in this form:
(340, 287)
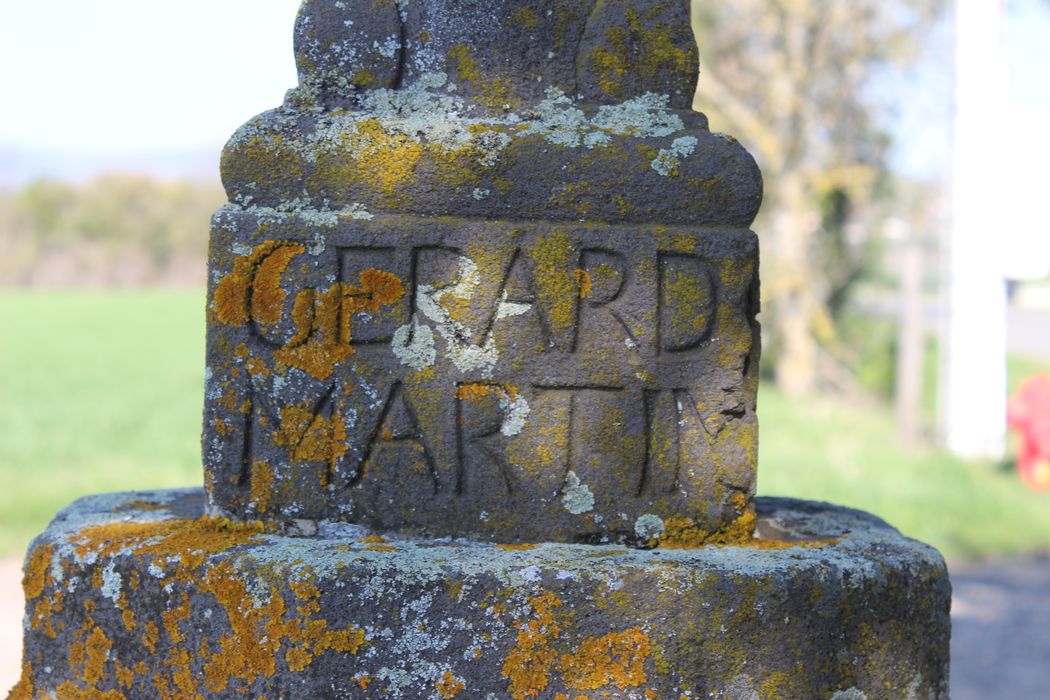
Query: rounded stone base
(139, 596)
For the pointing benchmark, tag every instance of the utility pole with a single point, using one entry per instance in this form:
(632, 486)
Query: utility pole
(973, 396)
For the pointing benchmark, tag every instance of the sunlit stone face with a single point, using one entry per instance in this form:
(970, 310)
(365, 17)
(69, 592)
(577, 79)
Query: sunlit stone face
(524, 321)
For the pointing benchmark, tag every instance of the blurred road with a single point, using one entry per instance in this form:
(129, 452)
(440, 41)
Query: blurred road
(1000, 629)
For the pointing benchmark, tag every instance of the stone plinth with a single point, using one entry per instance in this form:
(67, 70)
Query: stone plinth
(485, 274)
(137, 596)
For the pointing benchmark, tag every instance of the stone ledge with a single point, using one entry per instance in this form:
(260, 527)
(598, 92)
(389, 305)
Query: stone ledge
(135, 595)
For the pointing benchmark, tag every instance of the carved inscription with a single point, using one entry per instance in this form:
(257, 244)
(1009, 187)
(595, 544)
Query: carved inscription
(573, 367)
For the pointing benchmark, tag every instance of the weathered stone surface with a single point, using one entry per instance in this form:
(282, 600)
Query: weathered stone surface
(484, 274)
(520, 381)
(133, 595)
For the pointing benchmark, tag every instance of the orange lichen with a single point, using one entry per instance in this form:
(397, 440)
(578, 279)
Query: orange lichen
(475, 391)
(372, 539)
(70, 691)
(529, 664)
(310, 437)
(256, 367)
(253, 288)
(258, 633)
(363, 681)
(125, 675)
(376, 288)
(88, 655)
(127, 616)
(322, 321)
(584, 282)
(614, 659)
(36, 575)
(45, 612)
(173, 616)
(322, 333)
(150, 635)
(24, 689)
(262, 485)
(448, 686)
(192, 540)
(617, 658)
(516, 547)
(380, 548)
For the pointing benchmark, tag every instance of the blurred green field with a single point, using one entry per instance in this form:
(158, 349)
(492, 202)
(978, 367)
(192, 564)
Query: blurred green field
(102, 391)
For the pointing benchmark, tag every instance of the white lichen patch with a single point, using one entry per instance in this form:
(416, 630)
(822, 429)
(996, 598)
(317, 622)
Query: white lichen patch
(111, 582)
(432, 303)
(507, 309)
(414, 345)
(850, 694)
(515, 411)
(669, 159)
(576, 497)
(558, 120)
(649, 526)
(644, 116)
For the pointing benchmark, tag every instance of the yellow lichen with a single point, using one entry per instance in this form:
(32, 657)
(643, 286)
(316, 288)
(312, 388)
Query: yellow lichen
(387, 159)
(556, 285)
(525, 17)
(644, 48)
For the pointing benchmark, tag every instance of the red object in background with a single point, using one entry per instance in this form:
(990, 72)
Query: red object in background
(1029, 414)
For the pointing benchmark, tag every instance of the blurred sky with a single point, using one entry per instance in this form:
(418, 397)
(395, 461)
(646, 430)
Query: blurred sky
(101, 84)
(90, 84)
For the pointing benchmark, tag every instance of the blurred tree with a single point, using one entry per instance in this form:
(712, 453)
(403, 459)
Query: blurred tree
(117, 228)
(794, 81)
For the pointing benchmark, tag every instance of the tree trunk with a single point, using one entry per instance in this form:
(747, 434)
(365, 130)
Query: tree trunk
(793, 289)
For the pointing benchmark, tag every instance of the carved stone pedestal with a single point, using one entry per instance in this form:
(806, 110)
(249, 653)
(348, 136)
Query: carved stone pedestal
(136, 596)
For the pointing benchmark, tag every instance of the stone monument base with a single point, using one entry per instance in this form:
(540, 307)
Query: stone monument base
(139, 595)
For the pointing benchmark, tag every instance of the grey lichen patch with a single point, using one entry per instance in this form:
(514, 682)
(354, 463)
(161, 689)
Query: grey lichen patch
(576, 497)
(649, 526)
(414, 345)
(646, 116)
(669, 159)
(561, 121)
(850, 694)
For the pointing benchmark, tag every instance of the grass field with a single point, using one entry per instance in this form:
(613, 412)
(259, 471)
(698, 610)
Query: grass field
(102, 391)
